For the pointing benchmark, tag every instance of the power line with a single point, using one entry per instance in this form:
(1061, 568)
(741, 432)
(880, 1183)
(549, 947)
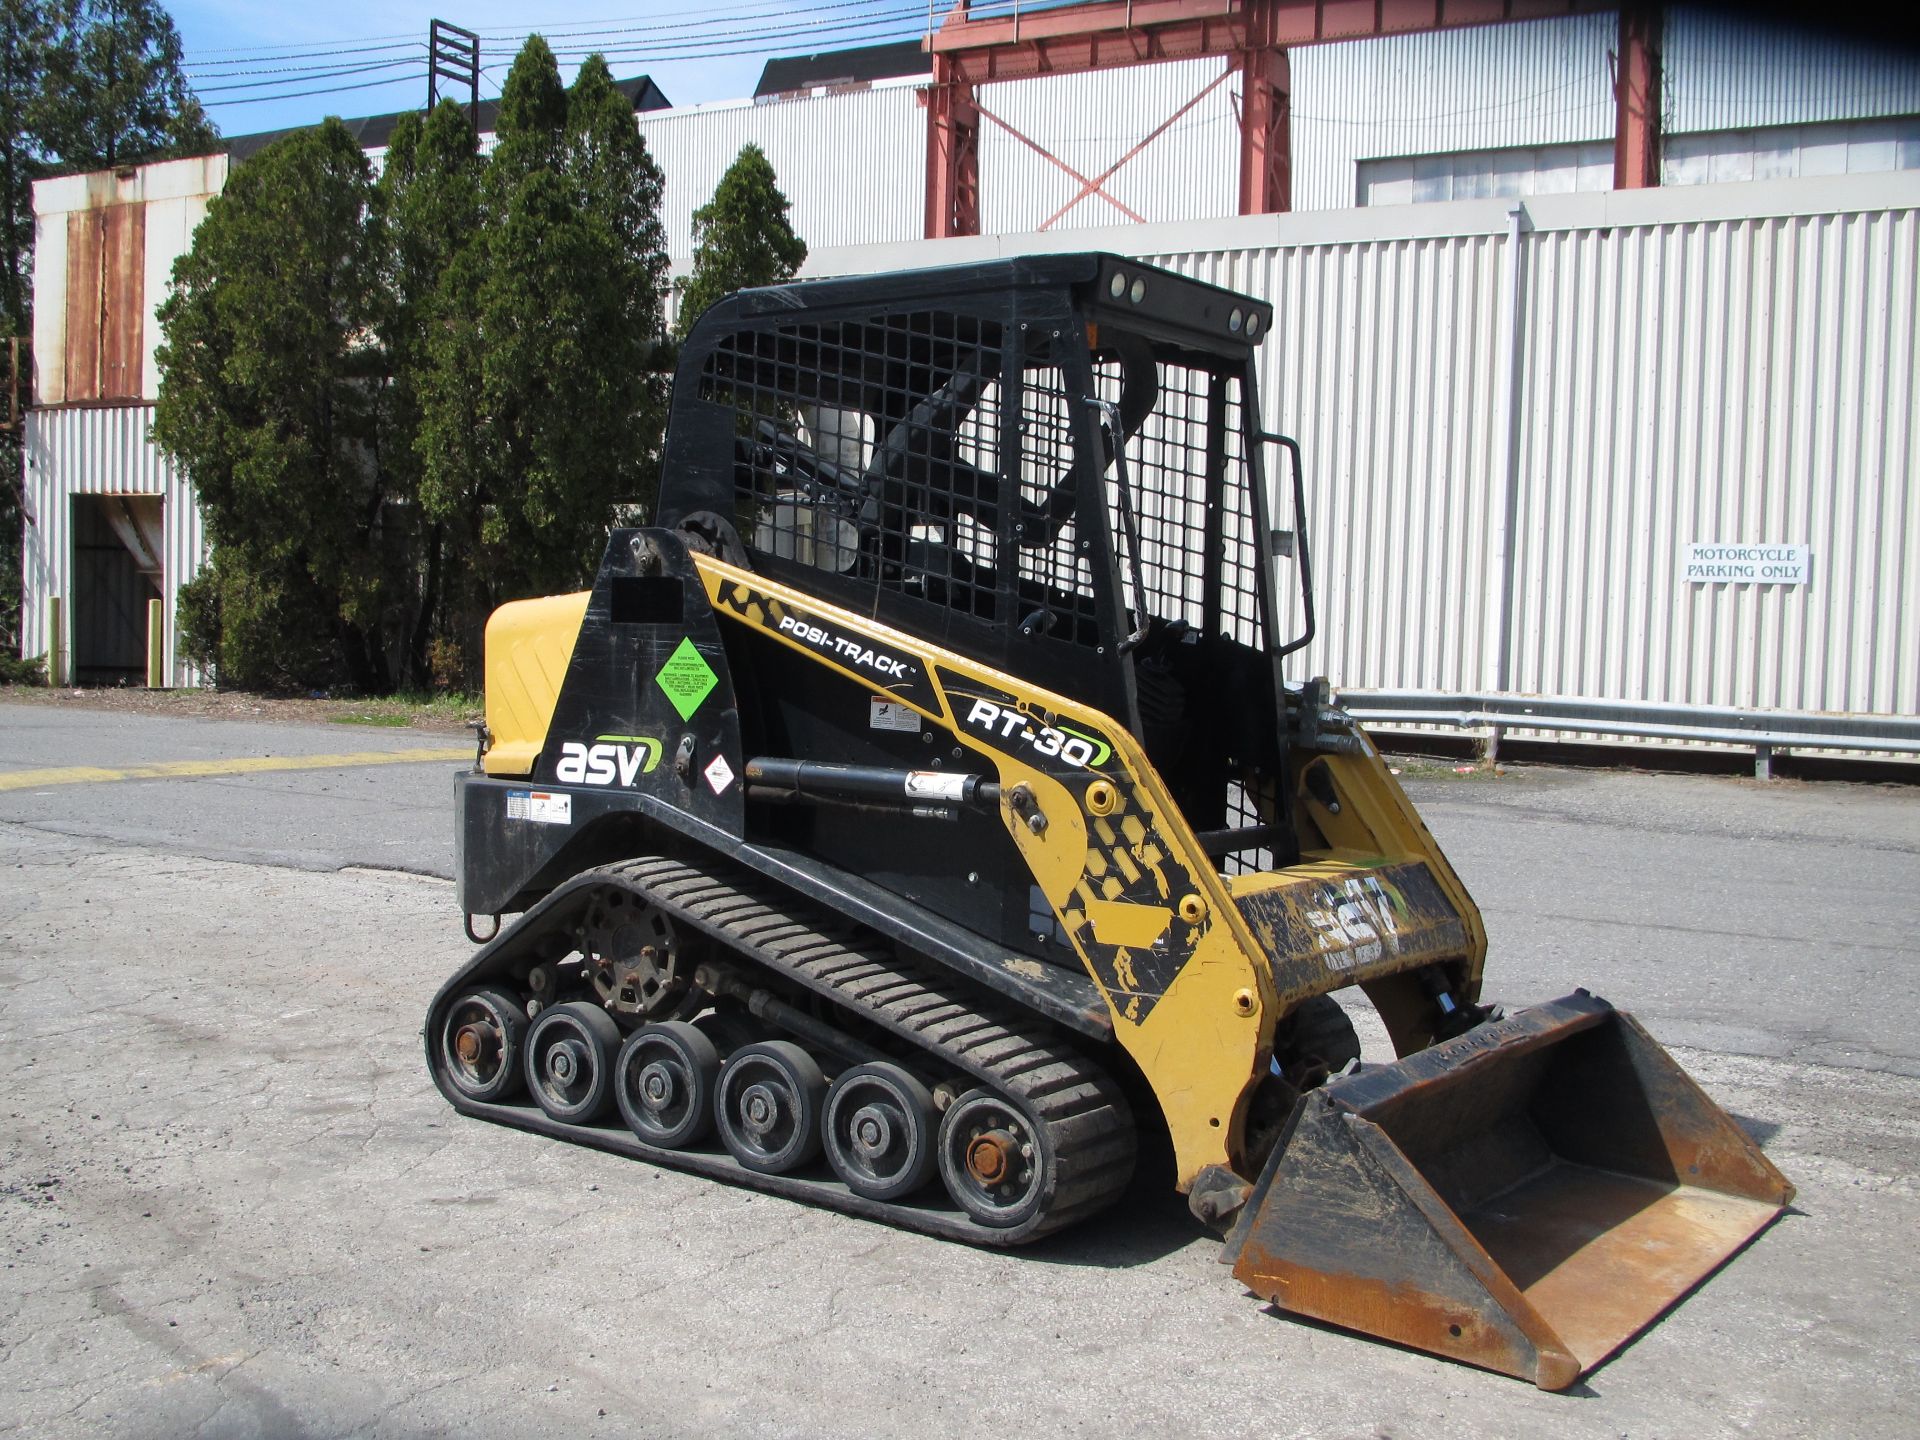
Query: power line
(737, 18)
(324, 90)
(720, 42)
(324, 75)
(739, 41)
(755, 9)
(265, 59)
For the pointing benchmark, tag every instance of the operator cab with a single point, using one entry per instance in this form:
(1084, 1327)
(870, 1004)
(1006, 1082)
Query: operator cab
(1050, 464)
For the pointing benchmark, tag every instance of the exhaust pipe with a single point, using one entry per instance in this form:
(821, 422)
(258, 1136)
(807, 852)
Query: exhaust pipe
(1526, 1197)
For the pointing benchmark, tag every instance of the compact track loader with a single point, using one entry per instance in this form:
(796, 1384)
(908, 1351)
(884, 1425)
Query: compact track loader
(915, 818)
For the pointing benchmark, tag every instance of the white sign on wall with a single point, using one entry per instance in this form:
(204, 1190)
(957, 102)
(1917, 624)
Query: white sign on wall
(1709, 564)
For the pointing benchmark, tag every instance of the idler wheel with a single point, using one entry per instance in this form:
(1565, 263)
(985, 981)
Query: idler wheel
(570, 1055)
(768, 1106)
(664, 1082)
(880, 1131)
(994, 1160)
(480, 1044)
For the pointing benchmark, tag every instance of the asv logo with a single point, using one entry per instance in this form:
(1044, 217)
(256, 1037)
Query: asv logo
(1358, 925)
(624, 758)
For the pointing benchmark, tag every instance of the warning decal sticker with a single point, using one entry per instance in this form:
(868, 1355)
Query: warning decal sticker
(687, 678)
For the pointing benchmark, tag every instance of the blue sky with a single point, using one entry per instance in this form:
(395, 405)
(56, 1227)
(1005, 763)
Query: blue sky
(245, 43)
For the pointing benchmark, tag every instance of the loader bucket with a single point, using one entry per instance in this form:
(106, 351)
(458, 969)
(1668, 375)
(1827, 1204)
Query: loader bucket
(1526, 1197)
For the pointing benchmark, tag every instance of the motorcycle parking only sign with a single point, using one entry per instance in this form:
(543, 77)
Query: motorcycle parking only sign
(1715, 564)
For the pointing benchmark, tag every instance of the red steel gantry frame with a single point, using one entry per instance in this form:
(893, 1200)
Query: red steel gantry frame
(1255, 36)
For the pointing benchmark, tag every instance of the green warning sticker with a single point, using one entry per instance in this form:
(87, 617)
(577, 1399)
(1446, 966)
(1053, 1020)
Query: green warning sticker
(687, 679)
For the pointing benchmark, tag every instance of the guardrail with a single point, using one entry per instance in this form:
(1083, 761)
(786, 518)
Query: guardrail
(1768, 732)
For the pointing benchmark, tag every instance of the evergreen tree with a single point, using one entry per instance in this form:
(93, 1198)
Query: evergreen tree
(741, 237)
(26, 32)
(427, 212)
(116, 92)
(539, 412)
(618, 189)
(270, 399)
(26, 29)
(403, 404)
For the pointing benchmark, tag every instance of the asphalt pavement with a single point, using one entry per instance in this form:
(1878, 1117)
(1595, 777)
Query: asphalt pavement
(232, 1204)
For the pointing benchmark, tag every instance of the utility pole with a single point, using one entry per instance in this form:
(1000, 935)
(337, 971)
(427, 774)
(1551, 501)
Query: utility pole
(453, 54)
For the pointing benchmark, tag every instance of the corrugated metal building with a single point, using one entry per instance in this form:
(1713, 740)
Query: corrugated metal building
(109, 523)
(1515, 425)
(1515, 422)
(1524, 108)
(853, 165)
(1092, 123)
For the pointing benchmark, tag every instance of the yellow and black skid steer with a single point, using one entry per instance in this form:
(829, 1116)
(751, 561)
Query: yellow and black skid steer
(916, 816)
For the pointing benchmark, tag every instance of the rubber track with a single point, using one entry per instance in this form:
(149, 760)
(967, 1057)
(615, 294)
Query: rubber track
(1086, 1120)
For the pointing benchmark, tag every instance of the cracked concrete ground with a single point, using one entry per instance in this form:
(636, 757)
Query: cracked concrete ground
(231, 1203)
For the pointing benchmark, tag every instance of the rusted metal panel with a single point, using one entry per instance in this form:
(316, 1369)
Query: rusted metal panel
(86, 239)
(1636, 83)
(106, 303)
(1526, 1197)
(93, 308)
(123, 302)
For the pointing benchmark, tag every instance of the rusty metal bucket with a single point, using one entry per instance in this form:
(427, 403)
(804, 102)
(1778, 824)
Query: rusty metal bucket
(1526, 1197)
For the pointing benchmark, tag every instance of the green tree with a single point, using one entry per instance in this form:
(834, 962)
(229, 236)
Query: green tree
(270, 398)
(427, 212)
(407, 402)
(741, 237)
(26, 29)
(540, 411)
(116, 93)
(26, 32)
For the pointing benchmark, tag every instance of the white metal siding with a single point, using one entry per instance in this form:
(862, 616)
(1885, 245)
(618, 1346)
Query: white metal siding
(1542, 82)
(49, 308)
(1717, 363)
(1740, 380)
(1090, 121)
(1724, 72)
(170, 227)
(853, 166)
(1382, 364)
(101, 451)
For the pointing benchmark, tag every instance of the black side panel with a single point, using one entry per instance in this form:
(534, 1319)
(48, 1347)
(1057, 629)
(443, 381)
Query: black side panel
(648, 704)
(965, 868)
(514, 840)
(646, 712)
(608, 826)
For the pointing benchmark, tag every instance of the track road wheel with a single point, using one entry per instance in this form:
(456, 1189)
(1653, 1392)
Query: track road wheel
(481, 1041)
(768, 1106)
(664, 1082)
(880, 1131)
(570, 1054)
(996, 1162)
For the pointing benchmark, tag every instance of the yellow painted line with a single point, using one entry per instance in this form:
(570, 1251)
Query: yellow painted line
(242, 765)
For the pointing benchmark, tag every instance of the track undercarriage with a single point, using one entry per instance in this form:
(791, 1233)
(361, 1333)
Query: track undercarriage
(697, 1018)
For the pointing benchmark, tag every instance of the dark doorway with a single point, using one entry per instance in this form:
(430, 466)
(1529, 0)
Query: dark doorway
(116, 571)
